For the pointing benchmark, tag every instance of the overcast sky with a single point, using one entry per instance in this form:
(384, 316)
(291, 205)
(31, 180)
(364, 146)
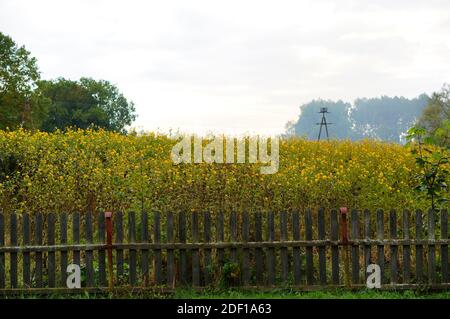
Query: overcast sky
(237, 66)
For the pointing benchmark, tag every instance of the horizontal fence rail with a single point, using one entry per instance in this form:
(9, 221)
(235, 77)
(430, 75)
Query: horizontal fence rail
(308, 249)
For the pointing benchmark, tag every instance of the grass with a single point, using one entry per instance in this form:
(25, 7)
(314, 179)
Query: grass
(336, 294)
(243, 294)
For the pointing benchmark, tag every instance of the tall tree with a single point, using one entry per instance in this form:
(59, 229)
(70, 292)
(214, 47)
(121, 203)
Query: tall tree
(120, 112)
(86, 103)
(435, 117)
(21, 104)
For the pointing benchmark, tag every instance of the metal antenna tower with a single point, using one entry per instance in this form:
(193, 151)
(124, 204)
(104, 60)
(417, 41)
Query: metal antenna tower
(324, 122)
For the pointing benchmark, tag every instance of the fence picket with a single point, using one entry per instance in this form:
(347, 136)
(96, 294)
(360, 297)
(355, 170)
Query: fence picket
(355, 248)
(51, 254)
(2, 254)
(233, 236)
(380, 248)
(444, 248)
(132, 253)
(101, 252)
(271, 250)
(334, 248)
(157, 252)
(431, 247)
(393, 248)
(75, 236)
(284, 250)
(63, 241)
(170, 255)
(367, 236)
(89, 256)
(309, 249)
(322, 249)
(195, 252)
(144, 252)
(259, 259)
(220, 238)
(406, 248)
(26, 254)
(182, 239)
(38, 255)
(207, 252)
(419, 247)
(245, 251)
(119, 239)
(296, 250)
(13, 255)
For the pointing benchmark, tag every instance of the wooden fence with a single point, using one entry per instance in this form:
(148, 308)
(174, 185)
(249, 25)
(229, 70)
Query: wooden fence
(287, 249)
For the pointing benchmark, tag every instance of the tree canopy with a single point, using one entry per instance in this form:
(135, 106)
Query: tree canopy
(21, 102)
(435, 117)
(29, 102)
(86, 103)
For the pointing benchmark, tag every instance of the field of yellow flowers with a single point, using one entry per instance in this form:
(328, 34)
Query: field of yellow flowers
(88, 170)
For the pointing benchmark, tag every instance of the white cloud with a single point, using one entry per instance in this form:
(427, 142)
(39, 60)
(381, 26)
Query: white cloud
(237, 66)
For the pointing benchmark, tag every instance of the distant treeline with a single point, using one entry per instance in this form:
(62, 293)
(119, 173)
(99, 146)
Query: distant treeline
(384, 118)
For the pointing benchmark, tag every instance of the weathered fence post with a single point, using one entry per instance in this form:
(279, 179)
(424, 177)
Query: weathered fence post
(64, 253)
(207, 252)
(89, 254)
(344, 237)
(118, 221)
(355, 247)
(296, 250)
(13, 255)
(132, 252)
(157, 252)
(38, 254)
(444, 248)
(322, 248)
(271, 251)
(170, 252)
(406, 249)
(419, 247)
(431, 248)
(284, 250)
(26, 255)
(367, 235)
(2, 254)
(259, 260)
(335, 247)
(380, 238)
(144, 252)
(393, 247)
(182, 252)
(101, 253)
(309, 248)
(245, 251)
(195, 252)
(108, 222)
(51, 254)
